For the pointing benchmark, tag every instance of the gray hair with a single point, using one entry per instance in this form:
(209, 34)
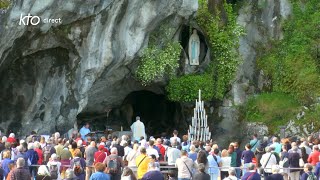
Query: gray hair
(20, 162)
(192, 148)
(201, 167)
(20, 148)
(275, 169)
(251, 166)
(36, 144)
(232, 171)
(268, 149)
(114, 150)
(294, 148)
(30, 146)
(153, 165)
(4, 139)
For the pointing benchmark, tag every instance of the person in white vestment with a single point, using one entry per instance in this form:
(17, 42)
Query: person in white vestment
(138, 129)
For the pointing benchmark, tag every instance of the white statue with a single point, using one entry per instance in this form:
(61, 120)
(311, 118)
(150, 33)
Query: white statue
(138, 129)
(194, 48)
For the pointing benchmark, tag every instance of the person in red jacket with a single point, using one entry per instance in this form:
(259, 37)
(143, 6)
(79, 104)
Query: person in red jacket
(100, 155)
(39, 151)
(314, 156)
(161, 148)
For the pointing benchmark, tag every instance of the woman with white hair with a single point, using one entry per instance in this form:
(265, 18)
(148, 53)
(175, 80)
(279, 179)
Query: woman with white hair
(22, 154)
(56, 137)
(267, 161)
(132, 155)
(39, 151)
(54, 167)
(4, 139)
(275, 173)
(114, 164)
(43, 173)
(32, 155)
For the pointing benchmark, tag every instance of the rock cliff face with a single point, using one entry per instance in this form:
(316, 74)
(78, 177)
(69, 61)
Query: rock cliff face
(51, 72)
(261, 20)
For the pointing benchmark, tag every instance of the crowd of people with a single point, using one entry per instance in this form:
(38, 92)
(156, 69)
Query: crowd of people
(120, 158)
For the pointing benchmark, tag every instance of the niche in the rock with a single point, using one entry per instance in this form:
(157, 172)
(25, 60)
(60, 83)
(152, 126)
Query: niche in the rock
(155, 111)
(185, 34)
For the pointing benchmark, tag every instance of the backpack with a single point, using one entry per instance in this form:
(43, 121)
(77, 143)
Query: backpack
(77, 167)
(312, 177)
(46, 153)
(285, 162)
(113, 166)
(277, 157)
(53, 171)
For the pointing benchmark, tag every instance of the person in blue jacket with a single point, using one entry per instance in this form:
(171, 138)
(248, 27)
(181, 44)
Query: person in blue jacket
(99, 174)
(251, 174)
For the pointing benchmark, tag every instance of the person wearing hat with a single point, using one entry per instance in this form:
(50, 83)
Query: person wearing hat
(11, 139)
(100, 155)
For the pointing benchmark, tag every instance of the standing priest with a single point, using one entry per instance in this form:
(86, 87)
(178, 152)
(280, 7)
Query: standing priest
(138, 129)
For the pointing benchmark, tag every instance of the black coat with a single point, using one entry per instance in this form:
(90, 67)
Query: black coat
(201, 176)
(294, 161)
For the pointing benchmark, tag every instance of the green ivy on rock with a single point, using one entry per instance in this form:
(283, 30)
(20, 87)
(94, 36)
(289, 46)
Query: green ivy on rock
(293, 63)
(161, 58)
(273, 109)
(187, 87)
(223, 39)
(156, 63)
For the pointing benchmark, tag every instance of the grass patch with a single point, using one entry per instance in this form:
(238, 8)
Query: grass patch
(4, 4)
(273, 109)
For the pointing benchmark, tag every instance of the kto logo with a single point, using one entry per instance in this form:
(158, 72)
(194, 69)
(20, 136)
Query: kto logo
(26, 20)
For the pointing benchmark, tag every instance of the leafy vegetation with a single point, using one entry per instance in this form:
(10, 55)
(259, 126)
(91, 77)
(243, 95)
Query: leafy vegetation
(273, 109)
(4, 4)
(223, 39)
(293, 63)
(312, 117)
(156, 63)
(187, 87)
(160, 59)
